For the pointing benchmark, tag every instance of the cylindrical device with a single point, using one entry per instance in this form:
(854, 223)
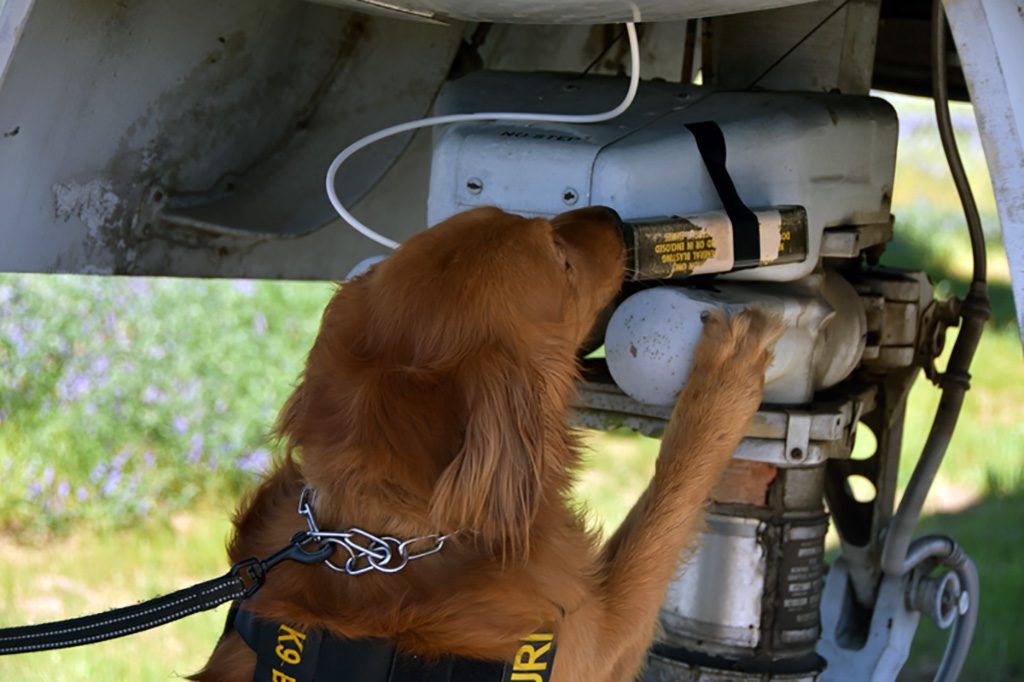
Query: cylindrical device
(708, 243)
(652, 335)
(745, 605)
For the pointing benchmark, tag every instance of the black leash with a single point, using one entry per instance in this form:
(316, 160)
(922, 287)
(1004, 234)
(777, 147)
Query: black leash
(241, 582)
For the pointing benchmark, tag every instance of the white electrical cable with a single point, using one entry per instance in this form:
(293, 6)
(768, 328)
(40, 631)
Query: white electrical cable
(332, 170)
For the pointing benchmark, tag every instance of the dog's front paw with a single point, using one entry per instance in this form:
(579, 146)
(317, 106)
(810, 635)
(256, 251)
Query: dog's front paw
(731, 359)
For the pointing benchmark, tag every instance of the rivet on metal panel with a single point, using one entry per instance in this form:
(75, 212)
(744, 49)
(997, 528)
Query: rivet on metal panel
(570, 196)
(475, 185)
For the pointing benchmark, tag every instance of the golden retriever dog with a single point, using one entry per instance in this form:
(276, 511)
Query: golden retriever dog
(435, 400)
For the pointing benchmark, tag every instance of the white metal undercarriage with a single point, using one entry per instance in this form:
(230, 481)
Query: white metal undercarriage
(190, 138)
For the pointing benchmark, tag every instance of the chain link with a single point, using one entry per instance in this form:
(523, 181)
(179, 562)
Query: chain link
(366, 551)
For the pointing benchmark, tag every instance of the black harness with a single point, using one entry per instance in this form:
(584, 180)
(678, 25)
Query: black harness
(286, 653)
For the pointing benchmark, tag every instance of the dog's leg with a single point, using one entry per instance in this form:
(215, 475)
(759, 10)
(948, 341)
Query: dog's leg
(710, 417)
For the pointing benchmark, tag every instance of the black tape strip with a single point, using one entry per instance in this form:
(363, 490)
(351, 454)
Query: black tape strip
(745, 230)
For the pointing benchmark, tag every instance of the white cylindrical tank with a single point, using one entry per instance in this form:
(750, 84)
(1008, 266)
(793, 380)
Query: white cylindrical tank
(652, 336)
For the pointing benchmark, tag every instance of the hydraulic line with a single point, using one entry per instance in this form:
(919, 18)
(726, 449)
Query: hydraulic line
(975, 310)
(900, 556)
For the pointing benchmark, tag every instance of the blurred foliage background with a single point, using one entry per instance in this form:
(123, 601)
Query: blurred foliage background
(134, 412)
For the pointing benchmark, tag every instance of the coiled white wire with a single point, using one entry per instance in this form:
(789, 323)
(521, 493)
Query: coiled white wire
(332, 170)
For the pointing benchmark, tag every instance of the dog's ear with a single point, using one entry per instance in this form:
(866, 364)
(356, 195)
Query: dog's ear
(493, 484)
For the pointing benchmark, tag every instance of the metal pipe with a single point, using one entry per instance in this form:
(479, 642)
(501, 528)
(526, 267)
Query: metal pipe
(974, 312)
(940, 97)
(963, 629)
(946, 552)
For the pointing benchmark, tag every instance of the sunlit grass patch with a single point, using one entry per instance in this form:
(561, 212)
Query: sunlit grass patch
(617, 467)
(89, 572)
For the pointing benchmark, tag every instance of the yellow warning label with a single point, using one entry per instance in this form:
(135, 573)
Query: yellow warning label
(684, 251)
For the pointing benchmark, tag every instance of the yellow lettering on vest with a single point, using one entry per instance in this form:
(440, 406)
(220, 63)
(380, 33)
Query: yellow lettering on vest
(290, 635)
(526, 657)
(278, 676)
(527, 677)
(287, 654)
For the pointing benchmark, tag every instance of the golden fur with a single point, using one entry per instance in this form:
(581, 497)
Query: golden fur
(435, 400)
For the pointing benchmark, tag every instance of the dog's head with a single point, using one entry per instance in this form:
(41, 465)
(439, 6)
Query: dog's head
(438, 385)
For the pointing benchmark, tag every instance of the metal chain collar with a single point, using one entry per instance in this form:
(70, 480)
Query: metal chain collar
(366, 551)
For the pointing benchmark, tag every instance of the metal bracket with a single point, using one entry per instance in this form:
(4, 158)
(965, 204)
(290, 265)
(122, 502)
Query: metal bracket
(893, 300)
(780, 436)
(931, 339)
(848, 242)
(878, 654)
(798, 437)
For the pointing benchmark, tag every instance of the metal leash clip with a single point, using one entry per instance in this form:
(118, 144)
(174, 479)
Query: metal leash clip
(253, 572)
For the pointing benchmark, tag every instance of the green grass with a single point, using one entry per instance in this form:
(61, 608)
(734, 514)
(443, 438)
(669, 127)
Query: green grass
(92, 572)
(105, 385)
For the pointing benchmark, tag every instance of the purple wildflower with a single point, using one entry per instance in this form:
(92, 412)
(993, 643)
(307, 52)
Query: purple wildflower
(245, 287)
(255, 462)
(72, 386)
(34, 489)
(148, 458)
(195, 453)
(98, 472)
(111, 484)
(48, 476)
(152, 394)
(100, 366)
(259, 324)
(63, 488)
(138, 286)
(180, 425)
(82, 494)
(17, 337)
